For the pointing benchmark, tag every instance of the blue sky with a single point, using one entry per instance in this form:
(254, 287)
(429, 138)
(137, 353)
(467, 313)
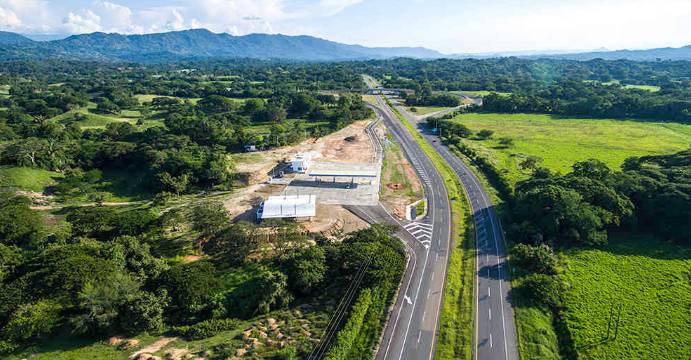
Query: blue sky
(450, 26)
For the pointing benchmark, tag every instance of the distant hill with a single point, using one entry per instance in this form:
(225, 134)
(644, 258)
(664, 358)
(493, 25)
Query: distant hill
(10, 38)
(201, 44)
(668, 53)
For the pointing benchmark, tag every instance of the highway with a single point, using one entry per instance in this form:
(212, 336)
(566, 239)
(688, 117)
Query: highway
(494, 333)
(413, 321)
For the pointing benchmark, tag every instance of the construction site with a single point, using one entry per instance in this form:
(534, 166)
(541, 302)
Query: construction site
(313, 182)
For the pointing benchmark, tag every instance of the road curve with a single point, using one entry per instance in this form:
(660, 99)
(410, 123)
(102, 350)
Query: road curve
(495, 333)
(410, 332)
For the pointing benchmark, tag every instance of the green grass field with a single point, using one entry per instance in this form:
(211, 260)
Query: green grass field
(4, 90)
(424, 110)
(562, 142)
(651, 88)
(652, 282)
(479, 92)
(27, 179)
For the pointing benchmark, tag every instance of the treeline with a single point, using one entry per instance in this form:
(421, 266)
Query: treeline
(110, 271)
(594, 100)
(424, 96)
(525, 75)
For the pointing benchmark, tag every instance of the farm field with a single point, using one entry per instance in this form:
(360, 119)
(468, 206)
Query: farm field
(649, 279)
(560, 142)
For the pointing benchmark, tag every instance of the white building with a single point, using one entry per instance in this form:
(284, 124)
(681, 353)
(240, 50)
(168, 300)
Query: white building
(300, 207)
(300, 163)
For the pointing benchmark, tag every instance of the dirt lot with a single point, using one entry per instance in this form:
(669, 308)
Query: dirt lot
(348, 145)
(331, 148)
(399, 184)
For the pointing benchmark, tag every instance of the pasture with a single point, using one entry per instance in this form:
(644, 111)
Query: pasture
(560, 142)
(649, 279)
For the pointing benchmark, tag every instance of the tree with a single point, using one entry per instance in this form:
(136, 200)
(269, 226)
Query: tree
(209, 218)
(191, 288)
(19, 225)
(215, 104)
(302, 105)
(176, 184)
(530, 163)
(144, 312)
(543, 290)
(538, 259)
(272, 292)
(306, 269)
(485, 134)
(99, 303)
(32, 320)
(233, 244)
(506, 142)
(106, 106)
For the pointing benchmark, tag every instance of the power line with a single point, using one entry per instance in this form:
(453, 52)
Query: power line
(331, 329)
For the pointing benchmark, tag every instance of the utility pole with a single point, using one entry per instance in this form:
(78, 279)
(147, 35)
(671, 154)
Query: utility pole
(616, 330)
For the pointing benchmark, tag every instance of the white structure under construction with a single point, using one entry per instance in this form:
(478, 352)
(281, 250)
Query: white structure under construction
(299, 207)
(300, 163)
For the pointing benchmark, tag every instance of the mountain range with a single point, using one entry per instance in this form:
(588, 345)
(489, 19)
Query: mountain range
(196, 44)
(199, 44)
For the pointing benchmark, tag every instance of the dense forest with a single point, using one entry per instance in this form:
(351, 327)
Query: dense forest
(595, 88)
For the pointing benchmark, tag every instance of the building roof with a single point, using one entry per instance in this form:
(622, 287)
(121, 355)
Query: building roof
(289, 206)
(343, 169)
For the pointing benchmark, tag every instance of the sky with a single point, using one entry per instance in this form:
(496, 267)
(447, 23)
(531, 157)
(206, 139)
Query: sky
(449, 26)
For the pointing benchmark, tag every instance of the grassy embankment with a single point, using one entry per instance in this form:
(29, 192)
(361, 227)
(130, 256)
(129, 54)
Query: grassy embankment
(562, 142)
(424, 110)
(456, 318)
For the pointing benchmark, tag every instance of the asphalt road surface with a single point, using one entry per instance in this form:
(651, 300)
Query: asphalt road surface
(411, 330)
(494, 333)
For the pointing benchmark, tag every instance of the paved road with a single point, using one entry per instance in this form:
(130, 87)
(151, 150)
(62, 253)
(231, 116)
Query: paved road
(495, 334)
(414, 318)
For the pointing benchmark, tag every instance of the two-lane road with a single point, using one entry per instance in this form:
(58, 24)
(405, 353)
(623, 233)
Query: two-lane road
(413, 322)
(494, 333)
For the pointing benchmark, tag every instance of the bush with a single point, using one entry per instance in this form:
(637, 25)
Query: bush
(144, 312)
(205, 329)
(191, 287)
(543, 290)
(536, 259)
(32, 320)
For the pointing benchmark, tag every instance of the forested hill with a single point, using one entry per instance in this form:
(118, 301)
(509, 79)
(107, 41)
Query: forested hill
(200, 44)
(9, 38)
(668, 53)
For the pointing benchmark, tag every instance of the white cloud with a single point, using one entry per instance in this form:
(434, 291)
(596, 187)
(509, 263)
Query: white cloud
(27, 15)
(86, 22)
(234, 16)
(8, 19)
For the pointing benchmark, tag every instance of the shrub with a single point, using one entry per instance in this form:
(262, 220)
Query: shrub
(205, 329)
(543, 290)
(32, 320)
(538, 259)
